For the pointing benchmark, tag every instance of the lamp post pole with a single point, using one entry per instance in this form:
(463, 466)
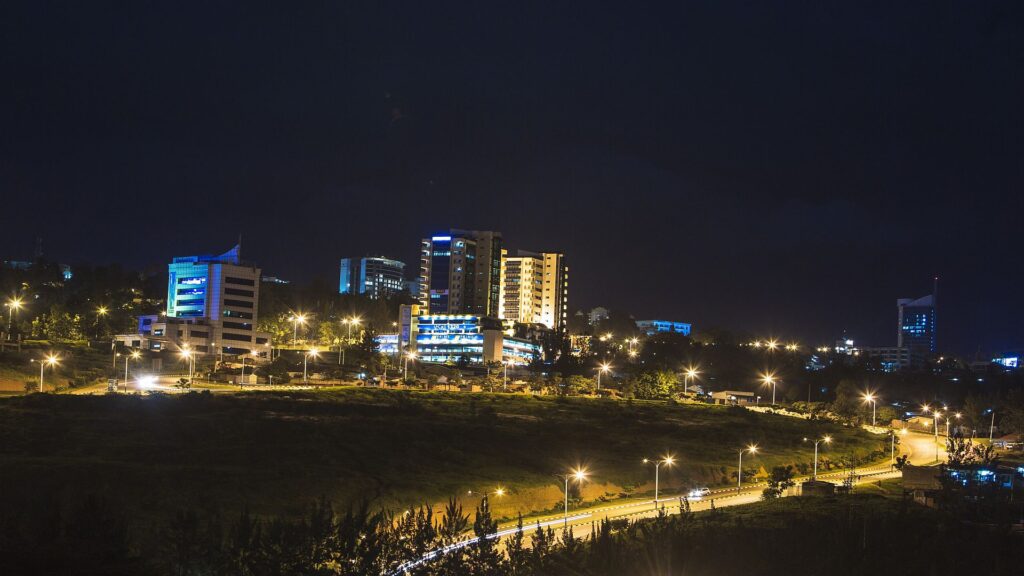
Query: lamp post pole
(991, 427)
(504, 380)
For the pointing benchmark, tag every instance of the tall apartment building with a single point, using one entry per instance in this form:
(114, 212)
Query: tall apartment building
(212, 307)
(373, 276)
(460, 273)
(917, 325)
(535, 288)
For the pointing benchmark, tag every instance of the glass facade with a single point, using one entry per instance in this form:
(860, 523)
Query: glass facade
(651, 327)
(917, 325)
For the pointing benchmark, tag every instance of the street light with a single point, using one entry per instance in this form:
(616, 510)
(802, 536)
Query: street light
(579, 475)
(739, 473)
(408, 356)
(936, 421)
(769, 379)
(354, 320)
(601, 370)
(992, 425)
(12, 305)
(504, 377)
(296, 320)
(667, 461)
(826, 440)
(305, 360)
(772, 345)
(691, 373)
(190, 356)
(133, 356)
(51, 360)
(869, 397)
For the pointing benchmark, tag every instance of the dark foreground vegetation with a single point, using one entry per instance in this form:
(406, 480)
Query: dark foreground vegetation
(858, 534)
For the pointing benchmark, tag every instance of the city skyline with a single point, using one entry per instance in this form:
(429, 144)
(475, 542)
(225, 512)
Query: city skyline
(741, 197)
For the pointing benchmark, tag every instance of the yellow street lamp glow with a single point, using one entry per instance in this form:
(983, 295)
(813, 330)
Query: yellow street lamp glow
(300, 318)
(752, 448)
(668, 460)
(606, 367)
(632, 353)
(579, 475)
(314, 352)
(827, 439)
(692, 372)
(772, 344)
(499, 492)
(136, 354)
(768, 379)
(14, 303)
(52, 359)
(102, 310)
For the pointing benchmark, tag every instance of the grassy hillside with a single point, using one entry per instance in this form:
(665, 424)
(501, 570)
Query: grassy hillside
(275, 452)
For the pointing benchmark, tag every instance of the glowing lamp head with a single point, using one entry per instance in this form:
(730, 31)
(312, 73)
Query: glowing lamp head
(668, 460)
(314, 352)
(52, 359)
(752, 448)
(827, 439)
(102, 310)
(136, 354)
(579, 475)
(499, 492)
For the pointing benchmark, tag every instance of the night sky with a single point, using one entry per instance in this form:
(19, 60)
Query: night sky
(786, 168)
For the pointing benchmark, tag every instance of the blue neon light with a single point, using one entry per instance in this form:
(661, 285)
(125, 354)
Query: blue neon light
(441, 238)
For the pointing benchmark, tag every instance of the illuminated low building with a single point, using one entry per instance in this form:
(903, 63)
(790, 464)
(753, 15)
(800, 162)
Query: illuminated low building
(452, 338)
(652, 327)
(372, 276)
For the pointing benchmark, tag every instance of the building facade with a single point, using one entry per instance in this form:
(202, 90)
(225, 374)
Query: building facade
(372, 276)
(451, 338)
(460, 273)
(652, 327)
(535, 289)
(212, 307)
(917, 325)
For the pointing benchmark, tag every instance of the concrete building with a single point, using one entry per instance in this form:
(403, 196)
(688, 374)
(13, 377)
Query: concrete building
(652, 327)
(893, 358)
(460, 273)
(535, 289)
(445, 338)
(733, 398)
(212, 308)
(372, 276)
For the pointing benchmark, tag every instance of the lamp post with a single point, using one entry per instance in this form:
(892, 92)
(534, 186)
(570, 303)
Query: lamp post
(296, 320)
(504, 377)
(826, 440)
(348, 338)
(51, 361)
(601, 370)
(668, 461)
(769, 379)
(579, 475)
(408, 356)
(189, 356)
(691, 373)
(992, 425)
(869, 397)
(305, 363)
(133, 356)
(739, 473)
(13, 305)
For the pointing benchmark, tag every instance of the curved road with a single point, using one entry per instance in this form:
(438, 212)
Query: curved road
(919, 447)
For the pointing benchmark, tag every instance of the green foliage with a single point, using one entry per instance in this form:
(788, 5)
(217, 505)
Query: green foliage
(780, 478)
(58, 325)
(653, 385)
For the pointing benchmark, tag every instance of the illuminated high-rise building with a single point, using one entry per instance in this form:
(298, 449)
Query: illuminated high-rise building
(535, 288)
(917, 325)
(372, 276)
(460, 273)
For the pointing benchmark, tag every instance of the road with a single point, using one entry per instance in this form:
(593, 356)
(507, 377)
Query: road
(920, 449)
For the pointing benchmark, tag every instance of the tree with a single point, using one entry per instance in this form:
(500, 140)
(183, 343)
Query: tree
(780, 478)
(580, 384)
(276, 371)
(651, 385)
(847, 403)
(484, 557)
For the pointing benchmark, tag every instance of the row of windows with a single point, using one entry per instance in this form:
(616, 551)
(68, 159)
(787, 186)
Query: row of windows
(238, 303)
(190, 302)
(239, 281)
(191, 291)
(239, 337)
(238, 325)
(239, 292)
(236, 314)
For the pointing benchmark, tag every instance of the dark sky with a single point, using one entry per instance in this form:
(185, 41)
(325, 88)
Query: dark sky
(788, 168)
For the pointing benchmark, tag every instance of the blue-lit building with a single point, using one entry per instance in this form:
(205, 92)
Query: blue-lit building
(460, 273)
(652, 327)
(444, 338)
(917, 331)
(212, 308)
(372, 276)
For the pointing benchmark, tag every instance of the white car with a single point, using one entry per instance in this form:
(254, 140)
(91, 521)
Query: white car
(698, 493)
